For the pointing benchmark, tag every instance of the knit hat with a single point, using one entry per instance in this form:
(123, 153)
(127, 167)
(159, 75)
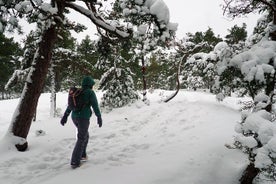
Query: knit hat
(88, 82)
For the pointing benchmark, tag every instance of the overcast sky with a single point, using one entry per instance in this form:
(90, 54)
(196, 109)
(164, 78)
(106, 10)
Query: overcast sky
(198, 15)
(191, 16)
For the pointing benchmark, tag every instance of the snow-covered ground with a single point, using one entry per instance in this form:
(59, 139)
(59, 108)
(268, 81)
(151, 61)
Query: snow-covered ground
(179, 142)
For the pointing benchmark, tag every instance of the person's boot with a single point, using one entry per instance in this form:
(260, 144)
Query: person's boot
(84, 159)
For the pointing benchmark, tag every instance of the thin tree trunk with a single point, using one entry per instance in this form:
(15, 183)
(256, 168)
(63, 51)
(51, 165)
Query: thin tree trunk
(184, 58)
(53, 92)
(177, 81)
(144, 79)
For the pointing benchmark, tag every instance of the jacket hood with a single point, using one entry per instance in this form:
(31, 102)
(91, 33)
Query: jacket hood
(87, 82)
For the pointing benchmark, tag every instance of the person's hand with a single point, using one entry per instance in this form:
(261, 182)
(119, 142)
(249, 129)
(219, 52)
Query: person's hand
(99, 121)
(63, 120)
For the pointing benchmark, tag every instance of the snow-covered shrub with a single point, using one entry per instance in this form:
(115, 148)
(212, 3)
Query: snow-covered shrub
(195, 82)
(200, 70)
(246, 105)
(220, 97)
(118, 88)
(257, 137)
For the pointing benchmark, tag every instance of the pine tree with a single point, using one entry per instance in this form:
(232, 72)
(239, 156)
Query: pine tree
(117, 82)
(150, 31)
(230, 78)
(201, 71)
(236, 34)
(259, 31)
(16, 81)
(10, 55)
(158, 71)
(197, 60)
(206, 39)
(89, 55)
(118, 88)
(257, 71)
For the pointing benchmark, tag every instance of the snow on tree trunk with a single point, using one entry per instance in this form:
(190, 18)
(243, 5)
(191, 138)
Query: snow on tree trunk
(24, 114)
(53, 93)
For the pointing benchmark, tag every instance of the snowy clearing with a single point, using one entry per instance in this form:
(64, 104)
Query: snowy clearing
(179, 142)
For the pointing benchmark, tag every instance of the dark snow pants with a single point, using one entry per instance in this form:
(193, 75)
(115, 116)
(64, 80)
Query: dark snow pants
(82, 140)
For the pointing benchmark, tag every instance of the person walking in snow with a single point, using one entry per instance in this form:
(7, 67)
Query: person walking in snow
(81, 119)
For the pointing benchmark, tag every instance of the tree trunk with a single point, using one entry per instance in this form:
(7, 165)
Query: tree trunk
(53, 107)
(33, 87)
(177, 82)
(26, 108)
(144, 84)
(249, 174)
(144, 79)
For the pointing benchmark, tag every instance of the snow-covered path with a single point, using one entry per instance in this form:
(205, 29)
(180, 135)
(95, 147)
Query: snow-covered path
(180, 142)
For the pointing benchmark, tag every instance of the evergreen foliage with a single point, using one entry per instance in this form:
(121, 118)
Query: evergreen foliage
(117, 81)
(51, 20)
(158, 71)
(199, 59)
(256, 135)
(201, 71)
(207, 38)
(16, 81)
(233, 65)
(236, 34)
(118, 88)
(150, 32)
(10, 56)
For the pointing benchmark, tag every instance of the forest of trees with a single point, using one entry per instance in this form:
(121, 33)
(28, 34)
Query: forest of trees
(72, 60)
(129, 60)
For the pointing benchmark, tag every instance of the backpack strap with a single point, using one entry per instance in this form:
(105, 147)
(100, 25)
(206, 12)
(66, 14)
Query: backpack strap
(76, 93)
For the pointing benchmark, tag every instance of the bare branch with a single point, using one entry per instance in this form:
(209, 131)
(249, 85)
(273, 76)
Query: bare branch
(227, 5)
(187, 53)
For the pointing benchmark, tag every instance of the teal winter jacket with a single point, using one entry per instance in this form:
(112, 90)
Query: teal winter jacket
(90, 98)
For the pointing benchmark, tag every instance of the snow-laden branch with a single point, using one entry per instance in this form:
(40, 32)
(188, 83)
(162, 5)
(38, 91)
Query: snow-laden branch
(17, 74)
(98, 21)
(269, 4)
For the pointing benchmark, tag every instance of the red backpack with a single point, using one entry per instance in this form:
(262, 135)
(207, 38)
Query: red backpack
(75, 99)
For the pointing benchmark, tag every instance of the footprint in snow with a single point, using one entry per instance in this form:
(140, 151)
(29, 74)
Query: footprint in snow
(119, 159)
(188, 127)
(110, 136)
(183, 121)
(141, 146)
(25, 169)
